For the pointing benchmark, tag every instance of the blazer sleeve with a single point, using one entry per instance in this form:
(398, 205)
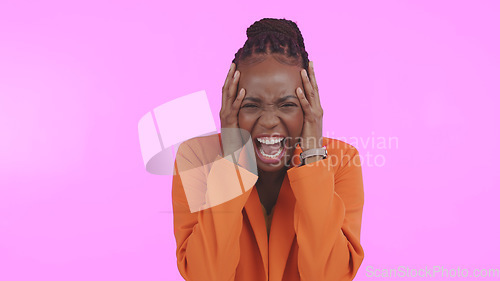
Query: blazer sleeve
(207, 237)
(327, 217)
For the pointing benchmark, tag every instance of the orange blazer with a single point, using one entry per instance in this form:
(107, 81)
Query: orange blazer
(315, 227)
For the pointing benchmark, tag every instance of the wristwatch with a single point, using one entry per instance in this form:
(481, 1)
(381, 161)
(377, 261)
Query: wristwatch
(313, 152)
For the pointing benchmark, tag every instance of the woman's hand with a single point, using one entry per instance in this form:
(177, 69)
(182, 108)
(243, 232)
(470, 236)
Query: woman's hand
(230, 132)
(312, 130)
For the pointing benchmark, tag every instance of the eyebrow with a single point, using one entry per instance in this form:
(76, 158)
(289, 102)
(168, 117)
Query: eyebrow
(279, 100)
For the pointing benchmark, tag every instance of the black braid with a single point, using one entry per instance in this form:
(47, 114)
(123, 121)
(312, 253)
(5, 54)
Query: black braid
(270, 35)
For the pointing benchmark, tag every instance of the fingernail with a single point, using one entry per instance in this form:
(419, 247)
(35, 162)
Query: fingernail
(234, 76)
(300, 90)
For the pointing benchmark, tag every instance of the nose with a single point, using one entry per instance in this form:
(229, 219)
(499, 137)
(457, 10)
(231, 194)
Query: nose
(269, 119)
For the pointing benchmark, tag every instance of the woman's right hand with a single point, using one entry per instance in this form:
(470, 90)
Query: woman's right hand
(230, 107)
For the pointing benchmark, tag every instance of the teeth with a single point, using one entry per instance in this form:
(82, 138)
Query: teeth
(271, 156)
(268, 140)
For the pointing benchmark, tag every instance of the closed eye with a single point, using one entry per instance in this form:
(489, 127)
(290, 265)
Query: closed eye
(253, 105)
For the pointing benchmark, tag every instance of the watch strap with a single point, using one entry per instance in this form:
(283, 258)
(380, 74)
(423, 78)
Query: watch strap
(322, 151)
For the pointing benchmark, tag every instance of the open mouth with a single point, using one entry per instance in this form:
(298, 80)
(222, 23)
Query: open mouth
(270, 149)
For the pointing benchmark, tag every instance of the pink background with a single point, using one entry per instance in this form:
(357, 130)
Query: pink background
(76, 202)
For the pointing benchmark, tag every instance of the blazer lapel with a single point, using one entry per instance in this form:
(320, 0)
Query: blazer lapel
(282, 231)
(253, 208)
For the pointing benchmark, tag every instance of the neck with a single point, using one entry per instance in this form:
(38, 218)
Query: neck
(271, 178)
(268, 187)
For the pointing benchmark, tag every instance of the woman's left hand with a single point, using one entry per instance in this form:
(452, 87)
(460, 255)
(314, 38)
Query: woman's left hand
(312, 130)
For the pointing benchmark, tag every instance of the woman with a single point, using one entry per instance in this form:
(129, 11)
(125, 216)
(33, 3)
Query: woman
(301, 219)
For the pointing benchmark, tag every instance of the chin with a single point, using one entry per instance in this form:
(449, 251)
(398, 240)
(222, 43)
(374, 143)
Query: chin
(269, 167)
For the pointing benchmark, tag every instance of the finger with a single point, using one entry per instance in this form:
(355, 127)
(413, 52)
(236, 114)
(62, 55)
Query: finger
(226, 82)
(312, 76)
(230, 74)
(235, 106)
(233, 86)
(239, 99)
(310, 93)
(306, 106)
(307, 84)
(314, 83)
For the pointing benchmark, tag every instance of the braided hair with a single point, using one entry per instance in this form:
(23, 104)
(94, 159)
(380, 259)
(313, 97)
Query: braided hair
(268, 36)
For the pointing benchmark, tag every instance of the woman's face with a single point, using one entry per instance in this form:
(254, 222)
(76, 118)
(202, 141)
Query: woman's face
(271, 108)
